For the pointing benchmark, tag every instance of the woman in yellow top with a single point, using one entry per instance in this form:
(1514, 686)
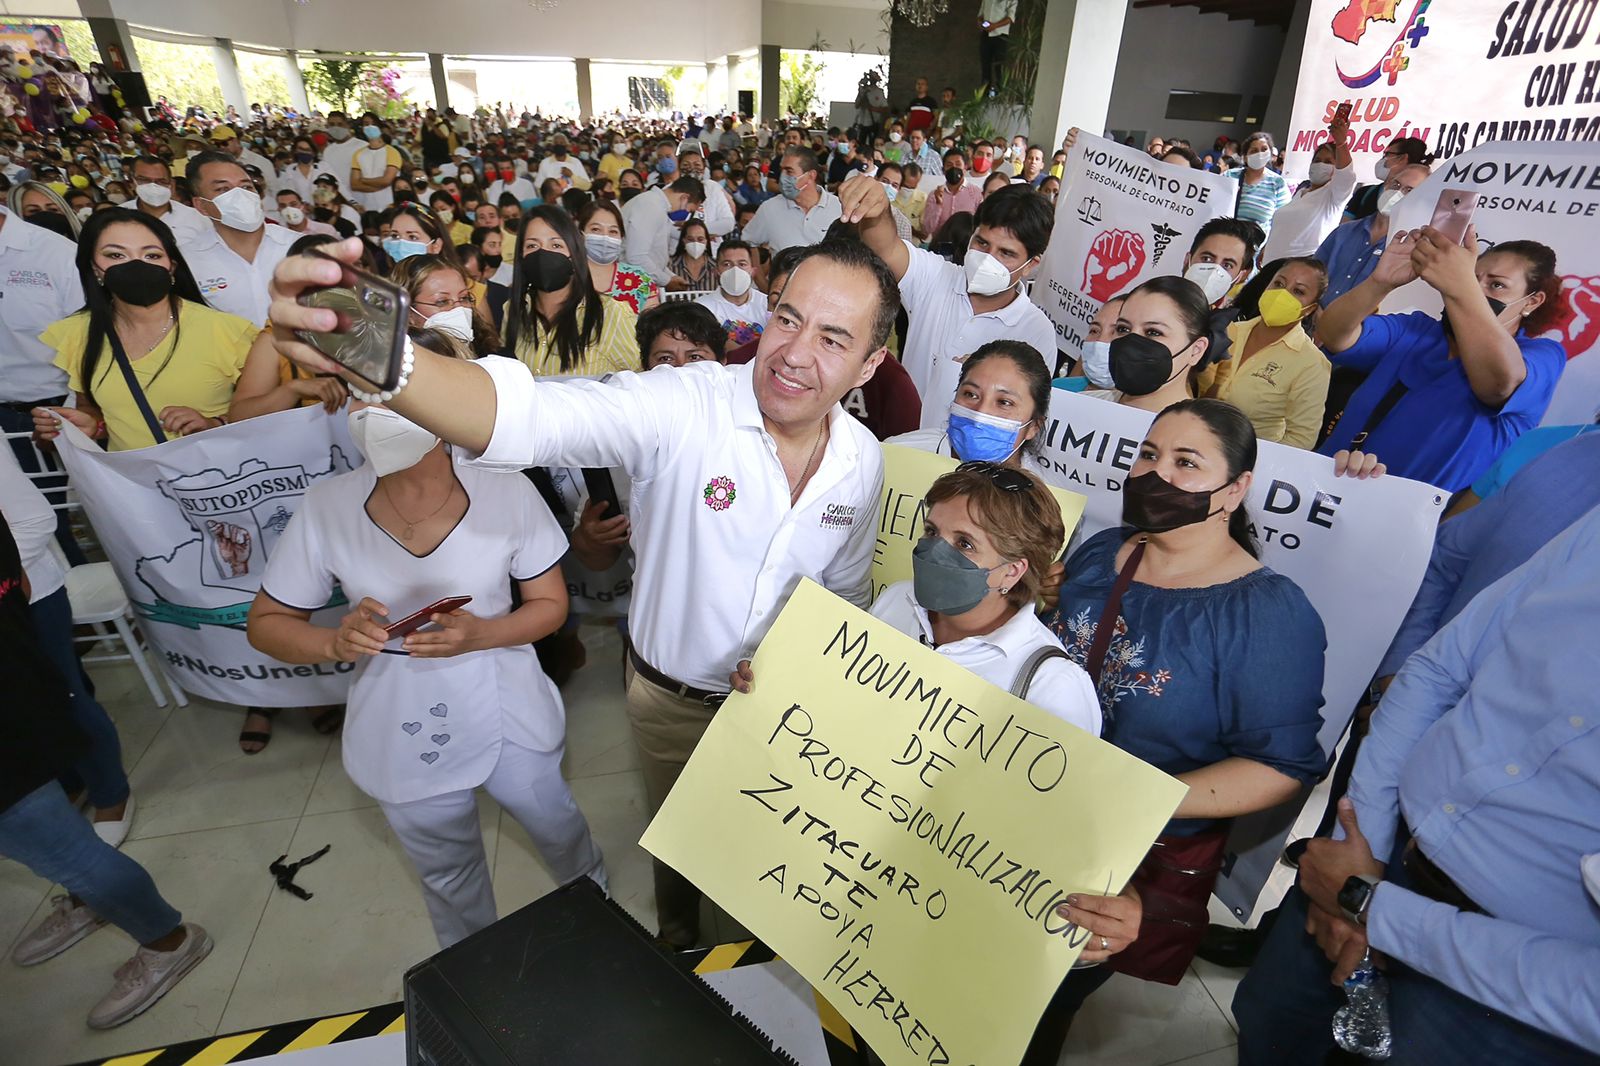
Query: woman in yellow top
(555, 320)
(1278, 376)
(185, 356)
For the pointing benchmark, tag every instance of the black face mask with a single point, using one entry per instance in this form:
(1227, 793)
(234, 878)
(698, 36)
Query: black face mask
(492, 262)
(1497, 306)
(546, 271)
(953, 175)
(1139, 365)
(1152, 504)
(54, 222)
(138, 283)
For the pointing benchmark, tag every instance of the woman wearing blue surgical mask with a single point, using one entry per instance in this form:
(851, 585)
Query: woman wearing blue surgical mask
(999, 408)
(990, 532)
(414, 230)
(460, 703)
(603, 230)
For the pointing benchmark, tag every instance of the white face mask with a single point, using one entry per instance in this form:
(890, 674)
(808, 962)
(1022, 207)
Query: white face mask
(894, 135)
(735, 281)
(1213, 279)
(1320, 173)
(389, 442)
(292, 216)
(1258, 160)
(601, 248)
(1388, 198)
(457, 322)
(1097, 363)
(986, 275)
(152, 194)
(694, 249)
(240, 209)
(1380, 169)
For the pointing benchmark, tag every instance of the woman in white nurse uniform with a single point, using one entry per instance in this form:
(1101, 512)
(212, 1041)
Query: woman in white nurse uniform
(436, 714)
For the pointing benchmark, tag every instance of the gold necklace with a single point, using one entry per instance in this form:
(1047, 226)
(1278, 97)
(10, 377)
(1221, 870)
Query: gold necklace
(406, 533)
(800, 483)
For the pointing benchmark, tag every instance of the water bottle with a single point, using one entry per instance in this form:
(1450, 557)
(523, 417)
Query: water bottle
(1362, 1025)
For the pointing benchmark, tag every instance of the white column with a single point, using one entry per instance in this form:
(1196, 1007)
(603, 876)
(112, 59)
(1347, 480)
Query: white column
(1077, 63)
(228, 77)
(733, 82)
(296, 79)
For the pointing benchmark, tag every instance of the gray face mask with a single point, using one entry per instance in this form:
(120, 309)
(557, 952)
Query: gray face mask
(944, 581)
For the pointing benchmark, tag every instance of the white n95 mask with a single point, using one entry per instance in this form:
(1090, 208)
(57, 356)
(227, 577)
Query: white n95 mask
(1213, 279)
(457, 322)
(735, 281)
(1097, 364)
(389, 441)
(986, 275)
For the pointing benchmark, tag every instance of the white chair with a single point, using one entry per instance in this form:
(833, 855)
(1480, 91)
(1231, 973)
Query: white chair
(682, 296)
(97, 601)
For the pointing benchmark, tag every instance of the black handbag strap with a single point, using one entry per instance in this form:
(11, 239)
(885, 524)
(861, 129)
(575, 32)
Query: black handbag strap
(1379, 413)
(1024, 678)
(1108, 614)
(134, 387)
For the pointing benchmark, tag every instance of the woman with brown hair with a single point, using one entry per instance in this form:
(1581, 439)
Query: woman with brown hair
(442, 299)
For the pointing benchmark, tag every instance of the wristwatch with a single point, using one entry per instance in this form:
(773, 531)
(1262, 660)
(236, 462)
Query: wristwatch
(1356, 896)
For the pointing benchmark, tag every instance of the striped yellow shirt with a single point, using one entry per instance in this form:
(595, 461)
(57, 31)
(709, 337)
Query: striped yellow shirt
(617, 349)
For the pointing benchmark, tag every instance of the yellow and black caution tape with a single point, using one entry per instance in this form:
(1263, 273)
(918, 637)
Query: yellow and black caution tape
(843, 1047)
(272, 1040)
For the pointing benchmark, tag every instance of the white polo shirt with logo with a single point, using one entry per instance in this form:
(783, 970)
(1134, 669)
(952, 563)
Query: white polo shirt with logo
(227, 281)
(38, 285)
(945, 330)
(719, 549)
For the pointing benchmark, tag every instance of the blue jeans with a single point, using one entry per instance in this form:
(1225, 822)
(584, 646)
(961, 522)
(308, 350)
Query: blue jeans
(44, 833)
(100, 771)
(1285, 1007)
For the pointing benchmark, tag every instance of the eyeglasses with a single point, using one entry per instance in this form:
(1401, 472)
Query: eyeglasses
(1005, 478)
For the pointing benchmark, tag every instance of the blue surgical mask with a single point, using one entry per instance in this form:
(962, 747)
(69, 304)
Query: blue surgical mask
(680, 215)
(371, 133)
(397, 249)
(944, 581)
(668, 165)
(975, 436)
(789, 185)
(1096, 363)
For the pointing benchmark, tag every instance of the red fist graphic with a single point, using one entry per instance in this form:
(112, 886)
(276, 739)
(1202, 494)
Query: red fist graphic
(1115, 258)
(1578, 319)
(230, 545)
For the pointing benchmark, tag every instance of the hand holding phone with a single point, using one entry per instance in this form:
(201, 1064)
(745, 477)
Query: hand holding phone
(413, 622)
(370, 336)
(1341, 115)
(1452, 213)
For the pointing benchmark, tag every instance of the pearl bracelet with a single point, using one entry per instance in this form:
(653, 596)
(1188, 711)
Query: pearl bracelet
(408, 362)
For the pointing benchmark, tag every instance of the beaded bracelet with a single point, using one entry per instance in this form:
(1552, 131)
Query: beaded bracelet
(408, 362)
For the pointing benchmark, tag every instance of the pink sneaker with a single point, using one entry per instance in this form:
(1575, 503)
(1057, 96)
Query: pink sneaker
(64, 927)
(148, 976)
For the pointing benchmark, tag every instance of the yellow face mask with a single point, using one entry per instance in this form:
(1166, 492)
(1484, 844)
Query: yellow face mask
(60, 187)
(1055, 170)
(1279, 308)
(80, 181)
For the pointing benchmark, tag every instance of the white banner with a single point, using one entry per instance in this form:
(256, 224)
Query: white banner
(1121, 218)
(1358, 549)
(1546, 192)
(188, 526)
(1457, 75)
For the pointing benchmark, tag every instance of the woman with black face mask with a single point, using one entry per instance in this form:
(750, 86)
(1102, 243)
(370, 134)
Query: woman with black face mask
(1157, 343)
(555, 320)
(143, 321)
(1208, 666)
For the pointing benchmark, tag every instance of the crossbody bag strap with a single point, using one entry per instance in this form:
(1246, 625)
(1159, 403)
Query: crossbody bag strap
(134, 387)
(1024, 678)
(1108, 615)
(1379, 413)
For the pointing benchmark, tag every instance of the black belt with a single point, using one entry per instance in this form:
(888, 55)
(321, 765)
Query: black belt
(677, 688)
(1428, 880)
(27, 408)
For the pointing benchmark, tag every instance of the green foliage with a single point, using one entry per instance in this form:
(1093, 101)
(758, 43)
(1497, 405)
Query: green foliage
(185, 74)
(80, 42)
(334, 83)
(262, 78)
(798, 79)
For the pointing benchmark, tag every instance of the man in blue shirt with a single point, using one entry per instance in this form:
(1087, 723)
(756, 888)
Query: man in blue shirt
(1457, 862)
(1351, 251)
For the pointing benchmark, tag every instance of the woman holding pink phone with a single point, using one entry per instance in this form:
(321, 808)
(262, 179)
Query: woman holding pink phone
(460, 702)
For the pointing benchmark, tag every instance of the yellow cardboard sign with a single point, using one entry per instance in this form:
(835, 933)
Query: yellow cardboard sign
(900, 832)
(907, 475)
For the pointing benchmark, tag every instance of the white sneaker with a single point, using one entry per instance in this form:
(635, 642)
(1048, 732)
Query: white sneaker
(65, 926)
(114, 833)
(148, 976)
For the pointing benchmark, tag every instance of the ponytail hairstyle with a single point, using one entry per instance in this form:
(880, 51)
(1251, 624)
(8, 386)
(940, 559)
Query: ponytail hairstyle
(1236, 438)
(1540, 275)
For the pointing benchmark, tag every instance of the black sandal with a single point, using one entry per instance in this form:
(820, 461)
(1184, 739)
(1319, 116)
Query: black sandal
(329, 720)
(255, 736)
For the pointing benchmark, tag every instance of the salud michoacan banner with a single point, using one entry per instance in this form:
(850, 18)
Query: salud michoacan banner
(901, 832)
(188, 526)
(1121, 218)
(1456, 73)
(1358, 549)
(1546, 192)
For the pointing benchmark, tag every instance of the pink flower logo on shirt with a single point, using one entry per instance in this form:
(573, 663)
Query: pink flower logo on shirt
(719, 493)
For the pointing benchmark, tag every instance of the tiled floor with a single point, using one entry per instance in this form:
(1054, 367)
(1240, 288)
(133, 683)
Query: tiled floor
(210, 819)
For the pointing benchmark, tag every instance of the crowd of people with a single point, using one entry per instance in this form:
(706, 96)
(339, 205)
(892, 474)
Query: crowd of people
(724, 319)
